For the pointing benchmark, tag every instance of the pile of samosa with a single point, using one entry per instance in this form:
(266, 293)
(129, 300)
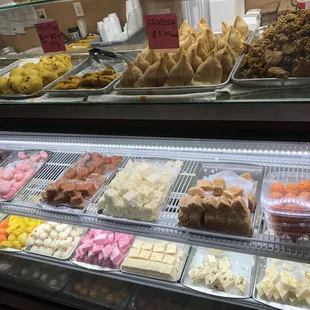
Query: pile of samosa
(202, 59)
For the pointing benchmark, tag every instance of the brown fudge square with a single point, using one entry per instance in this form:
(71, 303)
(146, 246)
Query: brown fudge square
(86, 189)
(252, 202)
(209, 203)
(206, 185)
(221, 222)
(193, 191)
(218, 187)
(52, 190)
(71, 173)
(195, 204)
(68, 188)
(233, 192)
(244, 227)
(60, 198)
(224, 206)
(77, 200)
(210, 221)
(232, 223)
(183, 218)
(239, 206)
(196, 220)
(183, 204)
(247, 176)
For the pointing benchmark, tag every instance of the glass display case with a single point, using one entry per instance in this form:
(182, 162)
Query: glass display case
(61, 239)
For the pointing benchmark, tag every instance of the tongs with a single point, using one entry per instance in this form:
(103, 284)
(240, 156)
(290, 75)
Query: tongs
(98, 55)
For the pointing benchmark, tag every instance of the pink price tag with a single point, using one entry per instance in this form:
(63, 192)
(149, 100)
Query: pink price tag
(50, 37)
(162, 31)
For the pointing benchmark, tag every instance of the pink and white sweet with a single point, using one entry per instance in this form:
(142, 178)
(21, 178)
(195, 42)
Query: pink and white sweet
(17, 173)
(103, 248)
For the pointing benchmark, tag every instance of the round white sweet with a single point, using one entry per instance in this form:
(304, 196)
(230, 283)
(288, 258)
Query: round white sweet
(58, 253)
(76, 240)
(63, 244)
(47, 228)
(74, 233)
(42, 250)
(65, 254)
(24, 271)
(80, 231)
(47, 242)
(53, 224)
(38, 242)
(49, 251)
(63, 235)
(68, 230)
(65, 226)
(69, 240)
(36, 275)
(30, 241)
(34, 249)
(44, 277)
(43, 235)
(53, 282)
(59, 228)
(54, 245)
(54, 234)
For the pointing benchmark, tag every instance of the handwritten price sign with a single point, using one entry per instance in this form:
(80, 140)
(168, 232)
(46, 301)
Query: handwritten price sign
(50, 37)
(162, 31)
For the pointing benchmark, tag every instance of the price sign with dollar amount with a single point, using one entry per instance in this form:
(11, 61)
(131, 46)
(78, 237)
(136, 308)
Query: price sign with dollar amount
(162, 31)
(50, 37)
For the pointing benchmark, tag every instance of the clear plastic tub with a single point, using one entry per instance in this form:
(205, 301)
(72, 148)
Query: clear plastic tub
(286, 202)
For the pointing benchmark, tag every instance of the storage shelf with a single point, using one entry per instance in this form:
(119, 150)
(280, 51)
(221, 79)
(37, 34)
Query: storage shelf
(273, 156)
(13, 5)
(170, 286)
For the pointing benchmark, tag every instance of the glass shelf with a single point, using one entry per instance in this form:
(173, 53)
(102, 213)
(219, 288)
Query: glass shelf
(12, 5)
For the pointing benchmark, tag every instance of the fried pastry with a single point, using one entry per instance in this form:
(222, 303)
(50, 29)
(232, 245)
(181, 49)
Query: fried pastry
(209, 40)
(4, 85)
(131, 75)
(202, 26)
(181, 74)
(185, 27)
(194, 59)
(169, 61)
(141, 63)
(156, 75)
(151, 56)
(242, 27)
(209, 72)
(226, 62)
(177, 55)
(190, 40)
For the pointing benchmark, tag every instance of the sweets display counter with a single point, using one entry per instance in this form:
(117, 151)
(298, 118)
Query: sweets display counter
(187, 157)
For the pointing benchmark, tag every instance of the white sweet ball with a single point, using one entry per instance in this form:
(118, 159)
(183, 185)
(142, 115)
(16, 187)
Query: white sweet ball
(47, 242)
(47, 228)
(43, 235)
(49, 251)
(42, 250)
(39, 242)
(59, 228)
(58, 253)
(34, 249)
(54, 234)
(30, 241)
(63, 244)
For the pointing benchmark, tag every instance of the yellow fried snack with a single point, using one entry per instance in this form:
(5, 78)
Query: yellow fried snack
(29, 65)
(59, 68)
(47, 76)
(32, 84)
(31, 72)
(4, 85)
(18, 72)
(16, 84)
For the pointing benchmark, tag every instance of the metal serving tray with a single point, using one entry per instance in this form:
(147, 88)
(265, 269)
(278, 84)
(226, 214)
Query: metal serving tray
(171, 90)
(27, 248)
(242, 264)
(8, 64)
(14, 157)
(5, 72)
(265, 82)
(184, 247)
(298, 272)
(83, 68)
(206, 169)
(3, 161)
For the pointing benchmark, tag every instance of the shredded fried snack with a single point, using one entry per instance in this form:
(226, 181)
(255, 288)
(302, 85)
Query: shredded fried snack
(282, 51)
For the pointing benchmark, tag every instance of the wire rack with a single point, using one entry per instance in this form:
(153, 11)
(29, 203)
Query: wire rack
(289, 158)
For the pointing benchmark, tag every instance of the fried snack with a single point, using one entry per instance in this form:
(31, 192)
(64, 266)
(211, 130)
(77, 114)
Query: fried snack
(18, 72)
(190, 40)
(29, 65)
(4, 85)
(16, 84)
(131, 75)
(59, 68)
(141, 63)
(202, 26)
(91, 80)
(169, 61)
(194, 59)
(32, 84)
(151, 56)
(282, 51)
(177, 56)
(47, 76)
(181, 74)
(185, 27)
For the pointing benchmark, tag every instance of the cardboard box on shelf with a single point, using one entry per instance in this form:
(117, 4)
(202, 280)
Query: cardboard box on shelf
(258, 4)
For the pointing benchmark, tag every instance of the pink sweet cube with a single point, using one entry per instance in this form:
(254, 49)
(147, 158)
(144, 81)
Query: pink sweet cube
(116, 257)
(96, 260)
(110, 238)
(96, 249)
(107, 251)
(100, 258)
(118, 236)
(86, 246)
(101, 239)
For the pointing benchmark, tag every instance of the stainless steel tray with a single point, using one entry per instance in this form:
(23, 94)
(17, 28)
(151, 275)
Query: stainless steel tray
(265, 82)
(207, 169)
(65, 208)
(27, 248)
(171, 90)
(74, 60)
(14, 157)
(159, 162)
(184, 247)
(243, 264)
(262, 263)
(49, 89)
(8, 64)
